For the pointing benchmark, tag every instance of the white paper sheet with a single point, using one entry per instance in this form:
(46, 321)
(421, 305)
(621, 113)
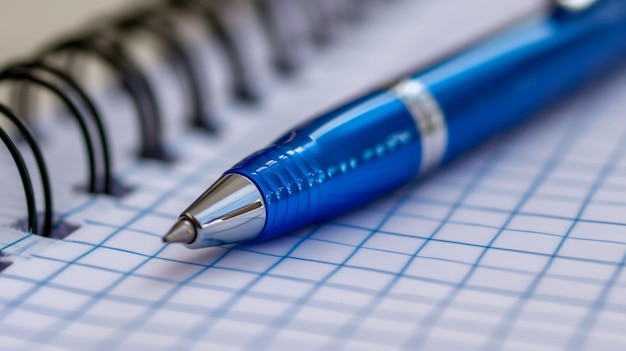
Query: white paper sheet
(519, 245)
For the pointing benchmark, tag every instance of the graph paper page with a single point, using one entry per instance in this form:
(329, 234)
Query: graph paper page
(519, 245)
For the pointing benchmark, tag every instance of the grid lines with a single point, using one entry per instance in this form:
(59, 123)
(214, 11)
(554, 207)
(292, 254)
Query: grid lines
(518, 245)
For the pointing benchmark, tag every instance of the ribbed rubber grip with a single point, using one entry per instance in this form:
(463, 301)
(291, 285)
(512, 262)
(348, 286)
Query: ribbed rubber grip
(335, 163)
(289, 184)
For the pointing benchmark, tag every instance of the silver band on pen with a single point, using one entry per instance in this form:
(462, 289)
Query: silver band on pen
(574, 5)
(429, 118)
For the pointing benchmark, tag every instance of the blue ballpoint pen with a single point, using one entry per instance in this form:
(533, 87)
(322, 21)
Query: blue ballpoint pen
(363, 150)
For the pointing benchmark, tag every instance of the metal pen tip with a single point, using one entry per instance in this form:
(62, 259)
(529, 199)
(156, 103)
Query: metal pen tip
(182, 232)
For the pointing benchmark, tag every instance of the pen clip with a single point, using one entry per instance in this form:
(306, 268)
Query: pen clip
(573, 6)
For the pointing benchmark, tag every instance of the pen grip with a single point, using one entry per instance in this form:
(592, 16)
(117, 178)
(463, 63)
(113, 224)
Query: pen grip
(335, 163)
(502, 81)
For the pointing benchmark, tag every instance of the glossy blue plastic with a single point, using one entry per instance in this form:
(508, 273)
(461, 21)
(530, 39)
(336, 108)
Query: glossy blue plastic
(335, 163)
(504, 80)
(354, 154)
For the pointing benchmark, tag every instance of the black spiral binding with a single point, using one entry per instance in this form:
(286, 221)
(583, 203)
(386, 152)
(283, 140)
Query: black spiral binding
(4, 264)
(29, 192)
(55, 67)
(32, 225)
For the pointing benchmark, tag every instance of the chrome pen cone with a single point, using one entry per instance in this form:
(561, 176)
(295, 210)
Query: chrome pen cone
(181, 232)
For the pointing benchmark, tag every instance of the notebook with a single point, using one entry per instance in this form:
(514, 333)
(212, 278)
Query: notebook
(519, 245)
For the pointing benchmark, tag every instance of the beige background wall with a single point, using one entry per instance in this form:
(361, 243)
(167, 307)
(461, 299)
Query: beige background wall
(26, 25)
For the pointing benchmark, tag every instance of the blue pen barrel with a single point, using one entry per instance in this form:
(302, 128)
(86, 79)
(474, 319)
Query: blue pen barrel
(335, 163)
(361, 151)
(502, 81)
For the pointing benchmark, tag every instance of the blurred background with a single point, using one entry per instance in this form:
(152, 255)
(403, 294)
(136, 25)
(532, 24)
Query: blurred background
(213, 64)
(26, 25)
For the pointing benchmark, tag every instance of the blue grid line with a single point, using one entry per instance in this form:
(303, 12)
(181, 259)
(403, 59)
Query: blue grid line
(251, 316)
(26, 236)
(112, 226)
(196, 310)
(170, 306)
(133, 325)
(284, 319)
(531, 214)
(580, 336)
(38, 285)
(486, 190)
(267, 336)
(539, 254)
(338, 285)
(495, 210)
(80, 208)
(511, 317)
(516, 250)
(243, 248)
(240, 248)
(574, 258)
(205, 325)
(236, 248)
(158, 213)
(422, 200)
(475, 225)
(419, 337)
(352, 326)
(310, 328)
(164, 304)
(46, 336)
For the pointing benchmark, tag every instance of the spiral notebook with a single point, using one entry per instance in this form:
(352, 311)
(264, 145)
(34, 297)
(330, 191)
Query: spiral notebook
(520, 245)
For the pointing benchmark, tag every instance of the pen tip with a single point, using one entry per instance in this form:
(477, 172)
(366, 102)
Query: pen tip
(182, 232)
